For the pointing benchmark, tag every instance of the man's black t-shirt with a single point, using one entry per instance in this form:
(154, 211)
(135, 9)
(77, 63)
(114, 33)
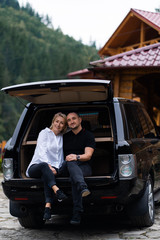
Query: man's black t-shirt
(76, 144)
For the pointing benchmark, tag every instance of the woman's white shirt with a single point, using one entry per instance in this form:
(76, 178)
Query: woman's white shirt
(49, 149)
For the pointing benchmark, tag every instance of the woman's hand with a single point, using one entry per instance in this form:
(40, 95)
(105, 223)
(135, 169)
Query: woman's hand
(52, 169)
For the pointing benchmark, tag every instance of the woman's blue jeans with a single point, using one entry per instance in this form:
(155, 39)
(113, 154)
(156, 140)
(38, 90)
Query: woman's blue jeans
(42, 170)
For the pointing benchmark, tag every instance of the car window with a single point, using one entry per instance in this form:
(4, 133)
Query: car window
(139, 122)
(134, 126)
(98, 122)
(143, 121)
(151, 128)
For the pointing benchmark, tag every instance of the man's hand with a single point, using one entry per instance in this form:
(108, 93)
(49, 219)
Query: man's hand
(83, 157)
(71, 157)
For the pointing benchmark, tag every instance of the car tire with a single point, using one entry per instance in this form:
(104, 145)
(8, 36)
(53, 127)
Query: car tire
(33, 220)
(142, 212)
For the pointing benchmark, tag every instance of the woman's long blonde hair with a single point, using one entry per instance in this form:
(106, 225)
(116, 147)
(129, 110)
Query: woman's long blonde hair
(59, 114)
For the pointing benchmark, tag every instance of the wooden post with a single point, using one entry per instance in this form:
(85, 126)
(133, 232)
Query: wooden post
(126, 88)
(116, 85)
(142, 35)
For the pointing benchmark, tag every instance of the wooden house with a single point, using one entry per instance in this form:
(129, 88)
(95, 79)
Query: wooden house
(131, 59)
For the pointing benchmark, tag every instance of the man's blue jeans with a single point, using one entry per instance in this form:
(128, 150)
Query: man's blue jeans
(77, 171)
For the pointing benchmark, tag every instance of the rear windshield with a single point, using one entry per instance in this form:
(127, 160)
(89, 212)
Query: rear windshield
(95, 120)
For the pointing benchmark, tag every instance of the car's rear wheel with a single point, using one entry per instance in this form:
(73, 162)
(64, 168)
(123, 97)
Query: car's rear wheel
(142, 211)
(34, 219)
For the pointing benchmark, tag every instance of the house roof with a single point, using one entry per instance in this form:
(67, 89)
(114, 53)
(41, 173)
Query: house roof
(148, 56)
(78, 73)
(128, 44)
(152, 18)
(139, 28)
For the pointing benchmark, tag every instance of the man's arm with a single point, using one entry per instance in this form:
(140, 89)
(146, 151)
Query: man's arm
(88, 152)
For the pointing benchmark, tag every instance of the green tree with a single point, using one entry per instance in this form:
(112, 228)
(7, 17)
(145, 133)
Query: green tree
(32, 50)
(10, 3)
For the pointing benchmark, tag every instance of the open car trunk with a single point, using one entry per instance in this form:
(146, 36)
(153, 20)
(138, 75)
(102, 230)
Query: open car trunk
(87, 97)
(94, 118)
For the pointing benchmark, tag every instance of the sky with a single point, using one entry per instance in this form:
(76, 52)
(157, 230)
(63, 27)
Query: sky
(89, 20)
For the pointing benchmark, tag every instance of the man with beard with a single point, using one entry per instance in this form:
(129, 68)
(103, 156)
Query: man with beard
(79, 145)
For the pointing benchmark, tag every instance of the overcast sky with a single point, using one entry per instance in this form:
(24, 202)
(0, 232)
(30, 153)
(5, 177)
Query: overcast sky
(89, 20)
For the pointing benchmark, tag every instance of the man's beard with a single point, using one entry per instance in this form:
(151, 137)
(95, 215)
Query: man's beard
(74, 127)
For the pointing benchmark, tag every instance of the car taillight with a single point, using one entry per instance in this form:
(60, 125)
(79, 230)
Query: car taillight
(127, 166)
(3, 151)
(7, 166)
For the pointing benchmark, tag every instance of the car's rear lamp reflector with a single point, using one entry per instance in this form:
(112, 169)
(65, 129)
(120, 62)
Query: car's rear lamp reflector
(108, 197)
(20, 199)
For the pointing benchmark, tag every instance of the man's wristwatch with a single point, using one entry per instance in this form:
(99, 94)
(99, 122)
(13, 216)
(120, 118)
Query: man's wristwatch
(78, 157)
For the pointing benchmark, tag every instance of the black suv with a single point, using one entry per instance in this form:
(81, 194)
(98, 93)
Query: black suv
(125, 164)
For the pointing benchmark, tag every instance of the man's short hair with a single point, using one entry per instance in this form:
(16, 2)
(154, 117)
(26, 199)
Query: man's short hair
(75, 113)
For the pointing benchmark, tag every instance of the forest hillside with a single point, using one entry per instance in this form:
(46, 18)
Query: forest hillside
(32, 50)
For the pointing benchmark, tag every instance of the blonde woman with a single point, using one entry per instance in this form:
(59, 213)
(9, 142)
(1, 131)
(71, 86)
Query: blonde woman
(48, 158)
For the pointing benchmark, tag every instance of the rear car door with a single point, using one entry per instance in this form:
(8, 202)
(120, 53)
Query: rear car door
(143, 141)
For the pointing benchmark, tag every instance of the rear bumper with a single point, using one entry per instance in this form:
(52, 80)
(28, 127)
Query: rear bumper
(103, 189)
(24, 191)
